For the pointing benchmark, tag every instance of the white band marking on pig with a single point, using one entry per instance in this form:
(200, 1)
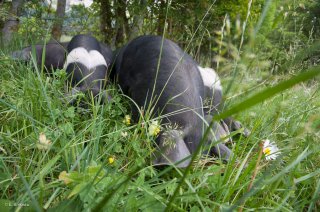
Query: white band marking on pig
(90, 59)
(210, 78)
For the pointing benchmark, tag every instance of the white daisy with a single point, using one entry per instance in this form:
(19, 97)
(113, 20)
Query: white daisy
(270, 149)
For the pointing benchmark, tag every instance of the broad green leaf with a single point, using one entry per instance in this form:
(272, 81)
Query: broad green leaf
(77, 189)
(45, 170)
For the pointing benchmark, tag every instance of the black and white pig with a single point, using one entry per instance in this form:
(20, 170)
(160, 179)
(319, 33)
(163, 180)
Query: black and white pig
(156, 72)
(55, 54)
(85, 59)
(87, 65)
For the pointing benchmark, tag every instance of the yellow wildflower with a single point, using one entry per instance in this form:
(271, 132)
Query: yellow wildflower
(154, 128)
(111, 160)
(127, 120)
(64, 176)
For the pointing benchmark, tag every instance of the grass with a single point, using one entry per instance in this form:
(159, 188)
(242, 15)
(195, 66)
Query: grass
(76, 169)
(93, 159)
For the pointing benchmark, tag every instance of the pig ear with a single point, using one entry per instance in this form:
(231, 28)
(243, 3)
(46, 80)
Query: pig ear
(221, 132)
(234, 125)
(222, 151)
(22, 55)
(238, 126)
(172, 150)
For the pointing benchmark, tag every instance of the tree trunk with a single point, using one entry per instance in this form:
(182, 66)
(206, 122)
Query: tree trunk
(12, 22)
(161, 17)
(57, 26)
(122, 26)
(1, 22)
(138, 20)
(105, 20)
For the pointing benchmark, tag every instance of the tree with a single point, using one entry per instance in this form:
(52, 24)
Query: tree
(161, 16)
(105, 20)
(122, 27)
(12, 22)
(57, 26)
(1, 21)
(138, 19)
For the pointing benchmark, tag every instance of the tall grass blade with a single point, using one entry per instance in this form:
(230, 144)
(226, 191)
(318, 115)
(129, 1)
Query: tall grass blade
(32, 197)
(269, 92)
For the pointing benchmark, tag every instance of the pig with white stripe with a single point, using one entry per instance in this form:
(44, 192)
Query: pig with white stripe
(86, 66)
(84, 58)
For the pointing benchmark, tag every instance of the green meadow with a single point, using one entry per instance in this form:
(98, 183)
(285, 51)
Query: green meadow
(92, 157)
